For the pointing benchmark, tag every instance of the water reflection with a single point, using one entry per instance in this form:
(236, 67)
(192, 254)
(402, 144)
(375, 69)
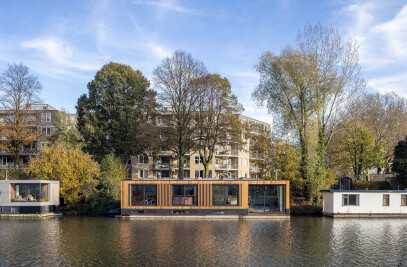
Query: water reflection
(88, 241)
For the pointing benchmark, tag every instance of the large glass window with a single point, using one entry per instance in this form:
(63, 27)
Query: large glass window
(185, 195)
(143, 195)
(266, 198)
(350, 200)
(225, 195)
(29, 192)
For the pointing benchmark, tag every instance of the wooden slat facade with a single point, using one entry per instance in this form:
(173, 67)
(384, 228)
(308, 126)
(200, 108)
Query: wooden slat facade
(204, 193)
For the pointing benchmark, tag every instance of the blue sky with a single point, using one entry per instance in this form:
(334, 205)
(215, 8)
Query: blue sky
(65, 42)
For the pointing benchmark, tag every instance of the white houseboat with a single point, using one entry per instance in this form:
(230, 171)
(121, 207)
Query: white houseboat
(365, 203)
(29, 196)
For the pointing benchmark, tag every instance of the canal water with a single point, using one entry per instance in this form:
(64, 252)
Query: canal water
(301, 241)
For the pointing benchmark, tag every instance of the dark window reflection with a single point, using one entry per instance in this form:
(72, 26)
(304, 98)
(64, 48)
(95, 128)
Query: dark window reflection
(143, 195)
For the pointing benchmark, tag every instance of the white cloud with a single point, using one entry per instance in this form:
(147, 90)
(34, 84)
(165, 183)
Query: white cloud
(247, 74)
(393, 83)
(159, 51)
(380, 29)
(60, 53)
(395, 33)
(170, 5)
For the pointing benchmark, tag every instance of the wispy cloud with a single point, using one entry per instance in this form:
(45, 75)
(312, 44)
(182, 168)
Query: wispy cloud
(60, 53)
(169, 5)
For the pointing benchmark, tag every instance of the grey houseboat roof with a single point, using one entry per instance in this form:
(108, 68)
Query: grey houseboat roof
(364, 191)
(28, 182)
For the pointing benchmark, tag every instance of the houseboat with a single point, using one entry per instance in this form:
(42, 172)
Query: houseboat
(234, 197)
(365, 203)
(29, 197)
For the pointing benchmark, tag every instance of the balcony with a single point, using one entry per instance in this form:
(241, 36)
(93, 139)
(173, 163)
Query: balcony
(159, 166)
(227, 153)
(226, 166)
(175, 166)
(254, 168)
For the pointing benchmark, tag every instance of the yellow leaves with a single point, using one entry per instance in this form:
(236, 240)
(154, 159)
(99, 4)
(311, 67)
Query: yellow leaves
(72, 167)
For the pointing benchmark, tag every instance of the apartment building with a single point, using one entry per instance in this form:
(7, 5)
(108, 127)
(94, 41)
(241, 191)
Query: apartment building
(41, 117)
(229, 161)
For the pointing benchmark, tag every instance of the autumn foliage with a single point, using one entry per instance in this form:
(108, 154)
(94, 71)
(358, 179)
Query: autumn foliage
(72, 167)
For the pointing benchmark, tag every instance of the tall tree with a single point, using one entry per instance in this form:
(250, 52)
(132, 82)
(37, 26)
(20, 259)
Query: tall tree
(216, 118)
(336, 76)
(286, 89)
(18, 89)
(175, 78)
(306, 88)
(112, 116)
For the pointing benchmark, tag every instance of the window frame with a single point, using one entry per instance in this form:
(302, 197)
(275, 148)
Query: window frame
(142, 159)
(142, 171)
(386, 200)
(194, 197)
(403, 196)
(347, 197)
(226, 194)
(199, 161)
(144, 194)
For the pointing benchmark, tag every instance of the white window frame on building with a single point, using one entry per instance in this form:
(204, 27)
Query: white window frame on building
(143, 159)
(46, 131)
(46, 116)
(5, 162)
(198, 160)
(143, 173)
(199, 174)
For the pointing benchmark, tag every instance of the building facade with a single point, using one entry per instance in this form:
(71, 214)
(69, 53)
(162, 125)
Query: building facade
(361, 203)
(230, 160)
(41, 118)
(205, 197)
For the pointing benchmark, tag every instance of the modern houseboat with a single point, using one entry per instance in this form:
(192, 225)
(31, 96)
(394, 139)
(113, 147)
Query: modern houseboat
(365, 203)
(204, 197)
(29, 196)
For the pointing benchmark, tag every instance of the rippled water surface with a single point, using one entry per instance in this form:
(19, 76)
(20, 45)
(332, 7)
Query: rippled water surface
(89, 241)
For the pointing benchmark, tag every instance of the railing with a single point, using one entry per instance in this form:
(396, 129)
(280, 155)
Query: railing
(175, 166)
(226, 166)
(254, 169)
(226, 153)
(161, 166)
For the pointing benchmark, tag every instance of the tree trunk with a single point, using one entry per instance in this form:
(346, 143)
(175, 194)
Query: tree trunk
(181, 159)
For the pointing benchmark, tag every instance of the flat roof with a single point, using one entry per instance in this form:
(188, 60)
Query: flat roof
(28, 181)
(364, 191)
(204, 179)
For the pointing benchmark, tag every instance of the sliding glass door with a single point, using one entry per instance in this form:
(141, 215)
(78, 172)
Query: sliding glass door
(266, 198)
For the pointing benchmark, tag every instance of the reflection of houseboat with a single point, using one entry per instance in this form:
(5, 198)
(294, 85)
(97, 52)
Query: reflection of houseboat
(204, 197)
(28, 196)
